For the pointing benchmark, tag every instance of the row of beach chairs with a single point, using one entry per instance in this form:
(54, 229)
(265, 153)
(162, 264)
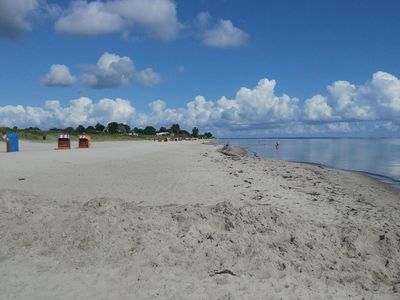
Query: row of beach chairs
(168, 139)
(64, 141)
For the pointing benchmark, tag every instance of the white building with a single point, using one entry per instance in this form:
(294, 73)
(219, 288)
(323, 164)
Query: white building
(162, 133)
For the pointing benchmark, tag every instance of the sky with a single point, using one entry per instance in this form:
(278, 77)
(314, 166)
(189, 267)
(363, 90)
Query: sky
(233, 67)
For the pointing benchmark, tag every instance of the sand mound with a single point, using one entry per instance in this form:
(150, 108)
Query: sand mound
(193, 251)
(233, 151)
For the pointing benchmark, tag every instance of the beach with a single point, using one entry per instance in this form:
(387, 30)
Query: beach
(180, 220)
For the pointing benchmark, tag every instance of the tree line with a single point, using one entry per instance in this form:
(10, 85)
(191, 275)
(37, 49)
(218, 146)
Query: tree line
(116, 128)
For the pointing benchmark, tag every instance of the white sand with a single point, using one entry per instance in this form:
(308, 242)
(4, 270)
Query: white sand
(148, 220)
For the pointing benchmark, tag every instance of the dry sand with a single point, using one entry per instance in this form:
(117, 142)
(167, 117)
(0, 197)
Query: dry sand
(148, 220)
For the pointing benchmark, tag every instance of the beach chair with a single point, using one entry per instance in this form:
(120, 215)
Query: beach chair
(12, 140)
(64, 141)
(84, 141)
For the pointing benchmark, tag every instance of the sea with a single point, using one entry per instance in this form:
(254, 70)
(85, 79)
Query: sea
(376, 157)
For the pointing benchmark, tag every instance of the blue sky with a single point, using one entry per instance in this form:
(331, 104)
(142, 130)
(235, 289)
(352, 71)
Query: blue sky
(221, 65)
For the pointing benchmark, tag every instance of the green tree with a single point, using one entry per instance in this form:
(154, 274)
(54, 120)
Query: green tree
(208, 135)
(90, 129)
(99, 127)
(184, 133)
(33, 130)
(127, 128)
(138, 130)
(112, 127)
(175, 128)
(67, 130)
(80, 129)
(195, 132)
(121, 128)
(163, 129)
(149, 130)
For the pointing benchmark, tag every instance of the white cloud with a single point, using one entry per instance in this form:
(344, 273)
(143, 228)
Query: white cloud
(386, 90)
(118, 110)
(389, 126)
(16, 16)
(317, 109)
(220, 35)
(225, 35)
(58, 75)
(156, 17)
(148, 77)
(203, 19)
(110, 71)
(80, 111)
(378, 98)
(253, 109)
(339, 127)
(88, 19)
(349, 102)
(262, 105)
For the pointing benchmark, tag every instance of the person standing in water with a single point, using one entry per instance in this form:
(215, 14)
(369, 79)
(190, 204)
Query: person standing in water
(277, 145)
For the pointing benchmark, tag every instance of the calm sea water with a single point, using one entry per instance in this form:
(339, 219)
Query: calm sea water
(377, 157)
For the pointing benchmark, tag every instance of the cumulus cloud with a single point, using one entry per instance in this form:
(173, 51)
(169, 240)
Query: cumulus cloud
(203, 20)
(110, 71)
(87, 19)
(317, 109)
(385, 88)
(156, 17)
(377, 99)
(262, 105)
(113, 70)
(223, 34)
(148, 77)
(58, 75)
(339, 127)
(16, 16)
(109, 110)
(389, 126)
(250, 108)
(79, 111)
(345, 100)
(260, 108)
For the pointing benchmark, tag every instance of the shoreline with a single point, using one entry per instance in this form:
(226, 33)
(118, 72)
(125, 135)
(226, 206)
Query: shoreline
(381, 178)
(183, 221)
(386, 181)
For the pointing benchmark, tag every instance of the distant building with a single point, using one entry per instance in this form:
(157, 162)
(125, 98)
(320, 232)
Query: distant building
(162, 133)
